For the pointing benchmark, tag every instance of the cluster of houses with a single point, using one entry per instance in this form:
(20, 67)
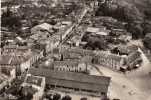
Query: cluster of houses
(33, 87)
(21, 58)
(66, 67)
(115, 61)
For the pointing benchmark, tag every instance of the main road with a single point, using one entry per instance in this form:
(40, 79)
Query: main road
(134, 85)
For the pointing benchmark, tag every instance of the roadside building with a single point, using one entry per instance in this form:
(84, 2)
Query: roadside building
(74, 82)
(107, 59)
(73, 66)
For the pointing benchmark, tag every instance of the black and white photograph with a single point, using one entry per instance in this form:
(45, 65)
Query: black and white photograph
(75, 50)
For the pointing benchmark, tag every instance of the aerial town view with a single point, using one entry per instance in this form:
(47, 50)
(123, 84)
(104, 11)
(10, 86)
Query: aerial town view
(75, 50)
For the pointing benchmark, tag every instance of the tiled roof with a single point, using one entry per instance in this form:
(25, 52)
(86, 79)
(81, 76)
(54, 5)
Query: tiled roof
(11, 60)
(73, 80)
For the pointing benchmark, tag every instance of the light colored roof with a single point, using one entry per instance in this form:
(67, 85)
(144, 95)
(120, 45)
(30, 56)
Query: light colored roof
(93, 29)
(44, 26)
(66, 22)
(102, 33)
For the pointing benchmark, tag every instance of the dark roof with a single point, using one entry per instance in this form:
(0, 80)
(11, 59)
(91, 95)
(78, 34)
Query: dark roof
(73, 80)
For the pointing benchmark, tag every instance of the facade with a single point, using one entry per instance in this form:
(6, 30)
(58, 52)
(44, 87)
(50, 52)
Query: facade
(75, 82)
(73, 66)
(35, 84)
(109, 60)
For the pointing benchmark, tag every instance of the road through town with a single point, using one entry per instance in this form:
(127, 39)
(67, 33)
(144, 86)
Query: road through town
(133, 85)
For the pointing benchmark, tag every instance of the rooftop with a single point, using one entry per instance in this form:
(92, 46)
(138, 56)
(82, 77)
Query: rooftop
(35, 80)
(11, 60)
(44, 26)
(73, 80)
(62, 63)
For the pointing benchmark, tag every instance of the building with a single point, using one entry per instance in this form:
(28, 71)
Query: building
(7, 75)
(74, 82)
(73, 66)
(107, 59)
(42, 27)
(124, 50)
(21, 62)
(33, 85)
(101, 31)
(78, 51)
(133, 58)
(15, 50)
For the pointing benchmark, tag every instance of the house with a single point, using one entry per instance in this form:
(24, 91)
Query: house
(33, 85)
(74, 82)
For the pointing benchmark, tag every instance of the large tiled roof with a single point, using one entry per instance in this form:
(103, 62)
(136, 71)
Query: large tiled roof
(73, 80)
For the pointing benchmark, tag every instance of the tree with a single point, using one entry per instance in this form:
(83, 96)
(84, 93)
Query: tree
(83, 98)
(56, 96)
(67, 97)
(146, 26)
(11, 21)
(136, 30)
(147, 41)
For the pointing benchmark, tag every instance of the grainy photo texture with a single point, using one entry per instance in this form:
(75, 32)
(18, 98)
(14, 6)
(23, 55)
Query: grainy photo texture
(75, 50)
